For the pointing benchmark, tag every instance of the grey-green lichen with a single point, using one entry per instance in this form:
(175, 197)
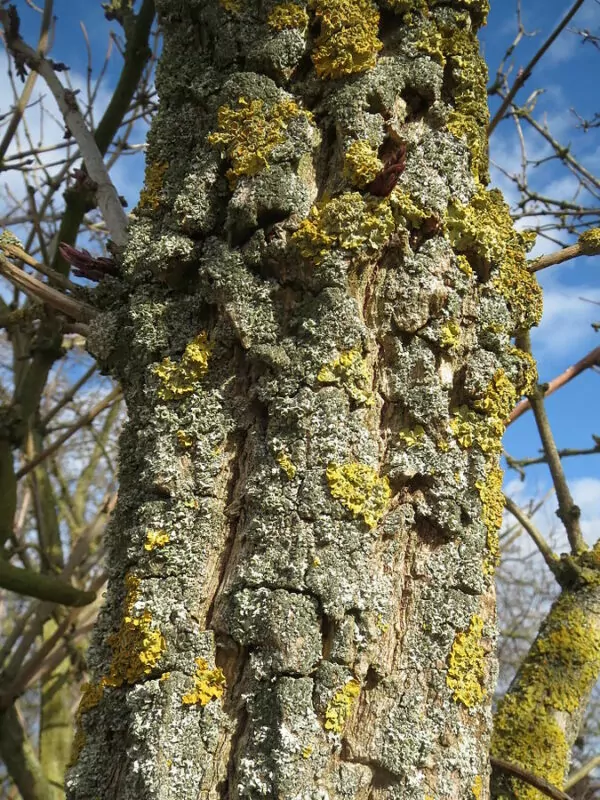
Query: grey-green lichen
(307, 583)
(458, 50)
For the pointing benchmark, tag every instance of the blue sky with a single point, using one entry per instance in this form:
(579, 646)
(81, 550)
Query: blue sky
(568, 74)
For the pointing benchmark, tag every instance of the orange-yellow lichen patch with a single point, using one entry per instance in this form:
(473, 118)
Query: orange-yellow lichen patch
(250, 132)
(138, 645)
(466, 665)
(209, 684)
(178, 379)
(359, 488)
(286, 16)
(347, 42)
(339, 708)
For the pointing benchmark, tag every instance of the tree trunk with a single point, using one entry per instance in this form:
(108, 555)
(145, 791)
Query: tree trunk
(312, 333)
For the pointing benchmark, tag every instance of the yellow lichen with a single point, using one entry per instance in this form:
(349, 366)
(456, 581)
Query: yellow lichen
(347, 42)
(137, 646)
(181, 378)
(484, 232)
(450, 334)
(350, 222)
(589, 241)
(349, 370)
(475, 136)
(184, 439)
(405, 6)
(286, 464)
(233, 6)
(360, 489)
(471, 428)
(287, 15)
(466, 665)
(500, 397)
(477, 787)
(406, 211)
(554, 681)
(462, 263)
(492, 502)
(481, 8)
(150, 196)
(411, 437)
(307, 751)
(382, 625)
(484, 426)
(156, 539)
(209, 684)
(338, 710)
(249, 134)
(527, 374)
(91, 694)
(361, 164)
(471, 115)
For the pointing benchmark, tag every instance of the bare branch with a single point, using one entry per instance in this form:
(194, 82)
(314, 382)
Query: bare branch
(524, 74)
(107, 195)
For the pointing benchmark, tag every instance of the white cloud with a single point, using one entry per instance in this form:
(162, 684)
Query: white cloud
(586, 493)
(566, 321)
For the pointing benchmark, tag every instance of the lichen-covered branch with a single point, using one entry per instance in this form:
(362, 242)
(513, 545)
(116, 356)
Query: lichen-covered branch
(539, 718)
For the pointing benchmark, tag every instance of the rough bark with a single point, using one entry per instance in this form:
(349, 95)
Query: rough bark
(312, 333)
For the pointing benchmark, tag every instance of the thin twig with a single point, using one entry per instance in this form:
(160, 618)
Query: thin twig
(568, 512)
(582, 772)
(551, 559)
(112, 397)
(107, 196)
(15, 251)
(524, 74)
(528, 777)
(592, 359)
(76, 309)
(21, 104)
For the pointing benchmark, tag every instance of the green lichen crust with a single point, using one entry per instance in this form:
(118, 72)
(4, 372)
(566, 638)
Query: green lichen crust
(539, 718)
(317, 380)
